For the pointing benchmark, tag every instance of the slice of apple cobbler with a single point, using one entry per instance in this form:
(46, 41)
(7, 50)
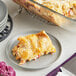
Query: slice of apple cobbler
(33, 46)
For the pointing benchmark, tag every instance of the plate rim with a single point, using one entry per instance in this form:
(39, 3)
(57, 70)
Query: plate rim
(22, 33)
(6, 11)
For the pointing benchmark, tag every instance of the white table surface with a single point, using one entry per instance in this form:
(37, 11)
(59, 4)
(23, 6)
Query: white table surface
(24, 22)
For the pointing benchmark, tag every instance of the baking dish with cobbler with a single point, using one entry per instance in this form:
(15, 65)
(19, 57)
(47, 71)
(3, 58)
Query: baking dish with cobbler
(59, 12)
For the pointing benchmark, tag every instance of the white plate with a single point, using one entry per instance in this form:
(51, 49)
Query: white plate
(42, 62)
(3, 13)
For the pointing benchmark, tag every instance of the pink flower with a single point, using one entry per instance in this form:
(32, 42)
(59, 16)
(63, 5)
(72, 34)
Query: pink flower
(6, 70)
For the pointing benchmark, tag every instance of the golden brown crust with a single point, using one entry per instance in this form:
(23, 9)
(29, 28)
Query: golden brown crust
(33, 46)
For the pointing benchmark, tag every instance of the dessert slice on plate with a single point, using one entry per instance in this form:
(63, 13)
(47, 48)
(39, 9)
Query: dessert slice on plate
(33, 46)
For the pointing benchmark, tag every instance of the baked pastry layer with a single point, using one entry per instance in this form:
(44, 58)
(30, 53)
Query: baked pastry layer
(65, 7)
(32, 47)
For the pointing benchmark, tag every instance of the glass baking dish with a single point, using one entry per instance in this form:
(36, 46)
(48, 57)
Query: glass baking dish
(48, 14)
